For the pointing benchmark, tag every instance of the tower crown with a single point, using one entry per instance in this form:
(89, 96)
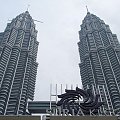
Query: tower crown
(23, 18)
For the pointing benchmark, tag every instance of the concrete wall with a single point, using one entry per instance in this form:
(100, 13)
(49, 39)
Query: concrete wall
(84, 118)
(19, 117)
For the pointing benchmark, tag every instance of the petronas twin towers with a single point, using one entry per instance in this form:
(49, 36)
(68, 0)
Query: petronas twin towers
(100, 62)
(99, 67)
(18, 66)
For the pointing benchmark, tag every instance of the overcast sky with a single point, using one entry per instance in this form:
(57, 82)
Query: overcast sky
(58, 55)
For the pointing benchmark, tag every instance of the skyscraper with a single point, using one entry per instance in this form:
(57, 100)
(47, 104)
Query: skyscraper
(18, 66)
(100, 62)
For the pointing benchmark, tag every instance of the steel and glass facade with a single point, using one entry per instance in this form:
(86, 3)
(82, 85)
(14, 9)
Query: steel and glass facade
(100, 62)
(18, 66)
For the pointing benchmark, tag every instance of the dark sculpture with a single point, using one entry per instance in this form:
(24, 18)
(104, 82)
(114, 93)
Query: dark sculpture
(79, 100)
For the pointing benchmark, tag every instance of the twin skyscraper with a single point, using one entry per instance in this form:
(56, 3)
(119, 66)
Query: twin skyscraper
(100, 62)
(18, 66)
(99, 67)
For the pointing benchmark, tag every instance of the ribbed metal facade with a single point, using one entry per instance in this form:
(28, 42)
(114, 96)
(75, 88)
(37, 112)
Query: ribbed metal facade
(18, 66)
(100, 62)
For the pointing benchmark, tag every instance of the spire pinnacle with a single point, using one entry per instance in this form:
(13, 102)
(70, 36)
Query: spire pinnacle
(87, 9)
(28, 7)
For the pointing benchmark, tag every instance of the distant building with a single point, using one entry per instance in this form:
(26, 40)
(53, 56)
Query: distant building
(18, 66)
(100, 62)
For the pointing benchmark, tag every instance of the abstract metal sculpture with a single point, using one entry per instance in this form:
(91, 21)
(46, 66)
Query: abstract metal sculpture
(79, 100)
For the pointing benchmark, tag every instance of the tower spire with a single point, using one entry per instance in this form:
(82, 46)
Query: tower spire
(28, 7)
(87, 9)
